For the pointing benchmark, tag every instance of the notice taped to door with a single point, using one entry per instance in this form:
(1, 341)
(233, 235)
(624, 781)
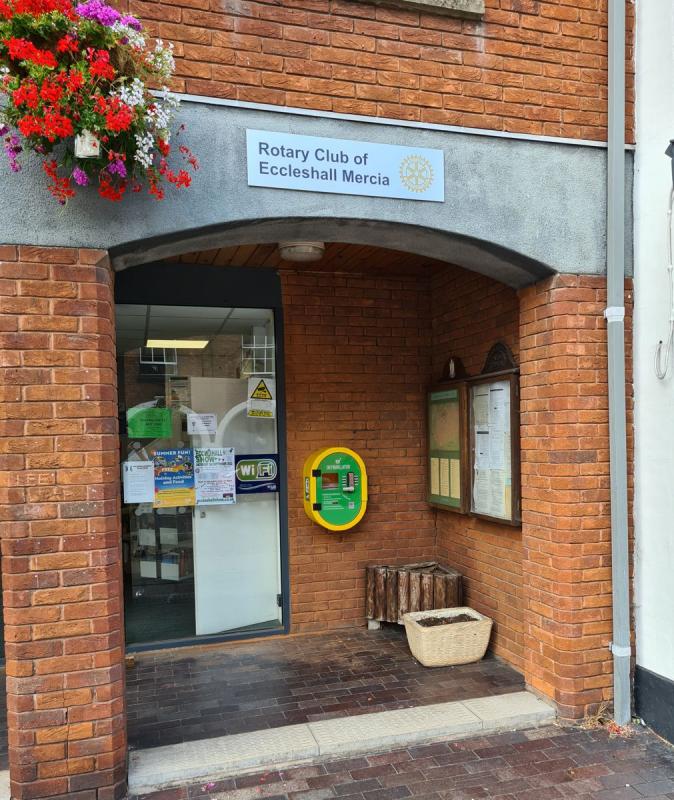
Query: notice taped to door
(214, 473)
(261, 397)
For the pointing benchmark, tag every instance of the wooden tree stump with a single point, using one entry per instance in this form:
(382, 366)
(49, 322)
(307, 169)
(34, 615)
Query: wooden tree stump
(392, 591)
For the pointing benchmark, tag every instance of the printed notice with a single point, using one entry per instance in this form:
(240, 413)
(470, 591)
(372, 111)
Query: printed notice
(481, 407)
(214, 469)
(201, 424)
(148, 423)
(174, 478)
(497, 408)
(261, 398)
(481, 493)
(496, 449)
(435, 476)
(444, 477)
(138, 481)
(497, 493)
(455, 478)
(481, 449)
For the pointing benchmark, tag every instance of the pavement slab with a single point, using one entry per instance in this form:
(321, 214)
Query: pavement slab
(294, 745)
(596, 769)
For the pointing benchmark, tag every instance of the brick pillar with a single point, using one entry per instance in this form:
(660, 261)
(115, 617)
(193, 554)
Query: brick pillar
(565, 492)
(61, 571)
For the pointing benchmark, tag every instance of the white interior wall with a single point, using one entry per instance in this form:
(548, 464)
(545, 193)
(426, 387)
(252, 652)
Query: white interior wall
(654, 412)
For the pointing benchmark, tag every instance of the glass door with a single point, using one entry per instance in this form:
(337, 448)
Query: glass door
(200, 471)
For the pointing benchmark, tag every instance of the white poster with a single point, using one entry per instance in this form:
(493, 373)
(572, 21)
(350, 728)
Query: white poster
(138, 481)
(261, 397)
(214, 475)
(201, 424)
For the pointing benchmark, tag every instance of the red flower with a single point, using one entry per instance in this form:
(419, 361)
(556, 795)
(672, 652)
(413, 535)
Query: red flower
(37, 7)
(5, 11)
(23, 50)
(164, 147)
(26, 95)
(75, 81)
(60, 187)
(189, 156)
(51, 92)
(108, 190)
(118, 116)
(184, 179)
(30, 125)
(67, 44)
(56, 126)
(99, 64)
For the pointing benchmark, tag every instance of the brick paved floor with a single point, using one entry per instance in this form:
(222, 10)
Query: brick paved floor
(177, 696)
(543, 764)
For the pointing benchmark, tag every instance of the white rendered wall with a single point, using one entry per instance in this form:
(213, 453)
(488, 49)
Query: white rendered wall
(654, 412)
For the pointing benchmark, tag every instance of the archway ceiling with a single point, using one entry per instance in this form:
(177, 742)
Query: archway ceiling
(338, 257)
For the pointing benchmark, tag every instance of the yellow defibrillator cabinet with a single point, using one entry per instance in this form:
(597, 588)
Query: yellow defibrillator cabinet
(335, 488)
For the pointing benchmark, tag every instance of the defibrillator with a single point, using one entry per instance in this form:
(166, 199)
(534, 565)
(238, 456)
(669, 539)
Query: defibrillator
(335, 488)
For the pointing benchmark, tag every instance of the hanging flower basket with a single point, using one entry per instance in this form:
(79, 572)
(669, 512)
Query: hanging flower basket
(76, 80)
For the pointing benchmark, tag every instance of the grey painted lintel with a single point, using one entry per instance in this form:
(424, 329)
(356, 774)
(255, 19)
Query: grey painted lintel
(514, 209)
(468, 9)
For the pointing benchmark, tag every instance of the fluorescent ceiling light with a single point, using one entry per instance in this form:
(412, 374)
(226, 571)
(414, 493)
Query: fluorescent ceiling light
(178, 344)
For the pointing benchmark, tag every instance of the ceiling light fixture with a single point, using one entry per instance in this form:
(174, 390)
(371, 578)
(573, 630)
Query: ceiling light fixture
(301, 251)
(178, 344)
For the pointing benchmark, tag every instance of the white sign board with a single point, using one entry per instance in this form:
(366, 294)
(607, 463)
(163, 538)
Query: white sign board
(344, 166)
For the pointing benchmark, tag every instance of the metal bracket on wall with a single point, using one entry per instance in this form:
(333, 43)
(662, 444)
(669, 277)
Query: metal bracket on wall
(614, 313)
(620, 650)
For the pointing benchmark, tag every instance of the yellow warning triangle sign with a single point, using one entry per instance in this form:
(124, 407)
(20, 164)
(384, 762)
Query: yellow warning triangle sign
(261, 392)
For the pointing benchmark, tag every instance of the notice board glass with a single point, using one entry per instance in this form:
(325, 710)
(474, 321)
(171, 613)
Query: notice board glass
(494, 467)
(445, 446)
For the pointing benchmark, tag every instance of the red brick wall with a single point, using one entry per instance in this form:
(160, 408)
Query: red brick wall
(531, 66)
(60, 526)
(357, 368)
(470, 314)
(565, 496)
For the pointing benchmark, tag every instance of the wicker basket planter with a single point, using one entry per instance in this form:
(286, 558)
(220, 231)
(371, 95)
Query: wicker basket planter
(446, 645)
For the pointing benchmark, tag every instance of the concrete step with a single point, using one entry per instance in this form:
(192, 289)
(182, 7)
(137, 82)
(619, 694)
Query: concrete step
(292, 745)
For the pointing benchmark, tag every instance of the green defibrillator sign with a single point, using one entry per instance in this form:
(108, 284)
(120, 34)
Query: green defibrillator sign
(335, 488)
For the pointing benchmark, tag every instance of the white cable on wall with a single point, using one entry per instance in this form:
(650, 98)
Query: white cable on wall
(663, 351)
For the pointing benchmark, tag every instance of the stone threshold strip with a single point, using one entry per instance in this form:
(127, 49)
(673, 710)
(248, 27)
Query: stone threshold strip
(212, 759)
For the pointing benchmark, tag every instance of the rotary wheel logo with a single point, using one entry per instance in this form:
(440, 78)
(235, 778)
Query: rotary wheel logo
(416, 173)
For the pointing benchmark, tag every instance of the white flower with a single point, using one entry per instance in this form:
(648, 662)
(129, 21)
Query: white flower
(133, 94)
(133, 37)
(161, 59)
(159, 115)
(144, 149)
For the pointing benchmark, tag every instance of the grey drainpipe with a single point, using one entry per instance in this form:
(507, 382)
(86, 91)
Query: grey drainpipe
(615, 316)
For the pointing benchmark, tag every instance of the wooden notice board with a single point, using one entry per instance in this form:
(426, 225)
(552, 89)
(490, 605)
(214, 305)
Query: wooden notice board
(446, 450)
(494, 438)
